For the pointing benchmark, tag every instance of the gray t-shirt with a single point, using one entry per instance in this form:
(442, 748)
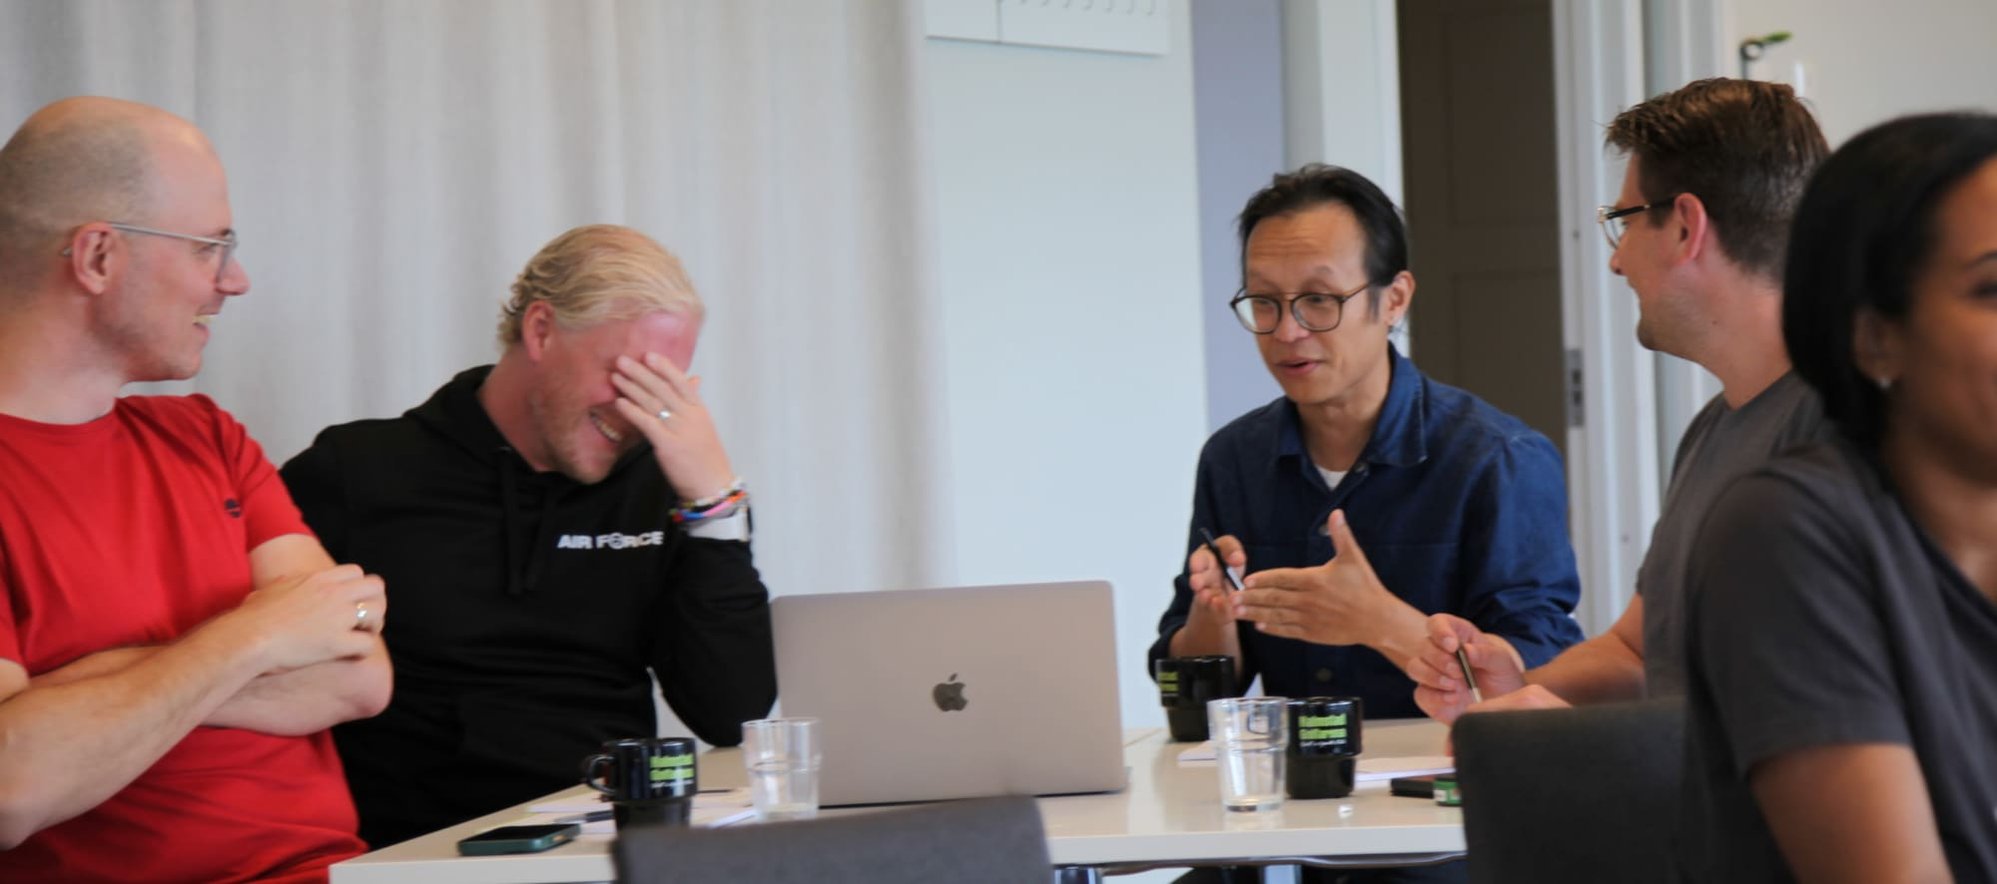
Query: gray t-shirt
(1721, 445)
(1820, 614)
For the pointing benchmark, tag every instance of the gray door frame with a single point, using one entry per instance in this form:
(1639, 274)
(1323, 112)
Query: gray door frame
(1633, 403)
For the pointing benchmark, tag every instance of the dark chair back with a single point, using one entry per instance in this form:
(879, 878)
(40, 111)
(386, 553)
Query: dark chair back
(996, 840)
(1587, 794)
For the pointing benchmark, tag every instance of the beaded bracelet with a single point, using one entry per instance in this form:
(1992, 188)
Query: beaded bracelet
(733, 488)
(718, 506)
(723, 509)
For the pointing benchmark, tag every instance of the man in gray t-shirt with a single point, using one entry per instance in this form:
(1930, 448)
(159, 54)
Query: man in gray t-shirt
(1721, 445)
(1699, 231)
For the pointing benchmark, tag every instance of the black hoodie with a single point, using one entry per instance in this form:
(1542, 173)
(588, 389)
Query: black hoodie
(524, 609)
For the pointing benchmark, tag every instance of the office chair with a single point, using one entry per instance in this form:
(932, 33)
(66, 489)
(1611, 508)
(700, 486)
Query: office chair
(995, 840)
(1588, 794)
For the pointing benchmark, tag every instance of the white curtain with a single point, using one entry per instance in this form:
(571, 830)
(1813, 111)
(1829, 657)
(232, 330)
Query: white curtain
(393, 163)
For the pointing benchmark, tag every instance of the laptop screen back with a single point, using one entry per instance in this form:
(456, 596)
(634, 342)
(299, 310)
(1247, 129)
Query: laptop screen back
(954, 693)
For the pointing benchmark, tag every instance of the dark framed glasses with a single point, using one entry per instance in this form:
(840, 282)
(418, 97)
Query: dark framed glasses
(1261, 312)
(1615, 221)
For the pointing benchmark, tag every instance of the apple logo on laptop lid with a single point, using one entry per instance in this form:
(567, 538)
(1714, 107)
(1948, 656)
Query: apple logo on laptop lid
(949, 695)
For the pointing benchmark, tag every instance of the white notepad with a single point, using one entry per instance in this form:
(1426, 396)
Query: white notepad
(1371, 768)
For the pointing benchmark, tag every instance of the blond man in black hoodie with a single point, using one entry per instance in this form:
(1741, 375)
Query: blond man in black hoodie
(561, 526)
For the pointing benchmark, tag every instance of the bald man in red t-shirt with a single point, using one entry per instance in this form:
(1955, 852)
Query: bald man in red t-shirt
(174, 642)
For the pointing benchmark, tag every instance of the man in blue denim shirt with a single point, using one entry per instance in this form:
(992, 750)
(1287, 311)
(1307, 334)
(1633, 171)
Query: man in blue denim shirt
(1369, 496)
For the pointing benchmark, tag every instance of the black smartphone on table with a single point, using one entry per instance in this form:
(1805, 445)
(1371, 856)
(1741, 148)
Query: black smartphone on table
(1413, 787)
(518, 839)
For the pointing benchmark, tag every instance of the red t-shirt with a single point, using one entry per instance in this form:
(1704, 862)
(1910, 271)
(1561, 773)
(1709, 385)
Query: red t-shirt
(133, 529)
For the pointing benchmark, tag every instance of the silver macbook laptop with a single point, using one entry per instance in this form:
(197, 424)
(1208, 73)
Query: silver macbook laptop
(927, 694)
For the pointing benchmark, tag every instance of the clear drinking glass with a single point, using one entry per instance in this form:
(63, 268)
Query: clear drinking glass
(1249, 736)
(782, 756)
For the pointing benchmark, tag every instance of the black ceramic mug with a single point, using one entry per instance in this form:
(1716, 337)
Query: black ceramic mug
(1185, 684)
(650, 781)
(1324, 747)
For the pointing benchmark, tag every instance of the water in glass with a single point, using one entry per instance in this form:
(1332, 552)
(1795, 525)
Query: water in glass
(1251, 775)
(783, 789)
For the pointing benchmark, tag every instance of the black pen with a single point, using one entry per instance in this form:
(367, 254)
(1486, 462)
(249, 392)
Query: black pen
(1219, 559)
(1463, 660)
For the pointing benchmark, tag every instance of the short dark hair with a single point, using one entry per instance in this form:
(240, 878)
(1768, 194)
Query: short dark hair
(1318, 184)
(1745, 148)
(1863, 230)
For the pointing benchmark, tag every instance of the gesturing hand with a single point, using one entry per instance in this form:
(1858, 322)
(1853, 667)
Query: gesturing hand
(1211, 593)
(664, 404)
(1340, 602)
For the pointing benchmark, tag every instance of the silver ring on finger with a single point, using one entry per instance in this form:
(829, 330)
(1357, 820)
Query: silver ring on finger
(361, 615)
(665, 415)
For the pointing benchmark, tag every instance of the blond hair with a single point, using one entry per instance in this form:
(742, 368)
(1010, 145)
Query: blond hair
(599, 273)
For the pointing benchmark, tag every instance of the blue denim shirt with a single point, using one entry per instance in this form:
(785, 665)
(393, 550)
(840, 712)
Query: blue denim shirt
(1460, 507)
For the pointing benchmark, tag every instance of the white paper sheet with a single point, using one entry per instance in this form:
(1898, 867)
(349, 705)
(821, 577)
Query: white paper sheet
(1371, 768)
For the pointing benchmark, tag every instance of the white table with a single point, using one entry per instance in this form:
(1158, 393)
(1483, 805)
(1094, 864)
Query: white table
(1169, 816)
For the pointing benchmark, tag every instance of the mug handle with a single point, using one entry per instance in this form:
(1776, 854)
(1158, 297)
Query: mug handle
(590, 773)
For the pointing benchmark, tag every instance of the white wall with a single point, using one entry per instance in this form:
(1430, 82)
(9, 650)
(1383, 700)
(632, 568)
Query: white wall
(1342, 87)
(1238, 95)
(1863, 61)
(1069, 274)
(1342, 96)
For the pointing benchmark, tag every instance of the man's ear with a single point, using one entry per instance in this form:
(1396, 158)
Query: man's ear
(1396, 297)
(1877, 346)
(95, 257)
(538, 329)
(1693, 227)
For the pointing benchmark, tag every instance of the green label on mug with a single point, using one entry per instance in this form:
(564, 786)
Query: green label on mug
(1321, 727)
(672, 768)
